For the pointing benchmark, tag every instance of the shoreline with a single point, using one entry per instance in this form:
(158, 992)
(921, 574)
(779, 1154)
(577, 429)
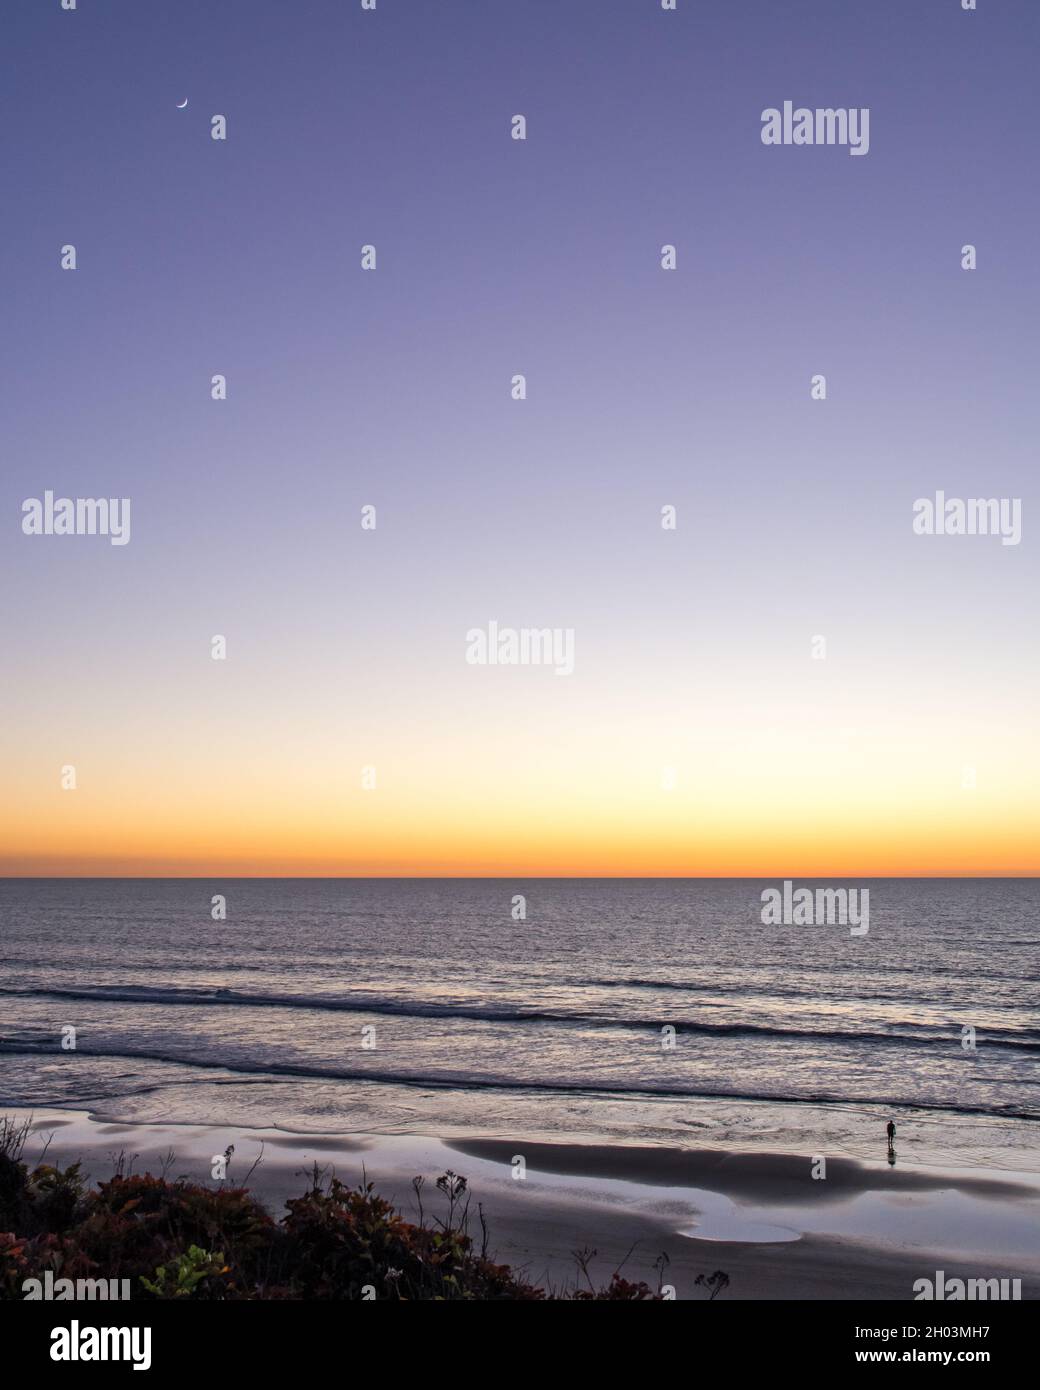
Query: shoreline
(864, 1231)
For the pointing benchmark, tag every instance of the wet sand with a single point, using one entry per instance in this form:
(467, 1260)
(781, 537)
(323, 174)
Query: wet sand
(657, 1214)
(762, 1177)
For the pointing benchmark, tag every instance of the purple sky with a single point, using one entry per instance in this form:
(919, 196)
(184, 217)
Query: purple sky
(495, 257)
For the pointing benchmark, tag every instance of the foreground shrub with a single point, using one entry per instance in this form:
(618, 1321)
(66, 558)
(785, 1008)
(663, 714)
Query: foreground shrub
(181, 1240)
(344, 1242)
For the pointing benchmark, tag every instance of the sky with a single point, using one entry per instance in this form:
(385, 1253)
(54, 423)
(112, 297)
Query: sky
(697, 734)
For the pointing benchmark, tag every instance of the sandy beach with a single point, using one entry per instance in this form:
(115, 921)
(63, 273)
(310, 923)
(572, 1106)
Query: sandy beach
(865, 1231)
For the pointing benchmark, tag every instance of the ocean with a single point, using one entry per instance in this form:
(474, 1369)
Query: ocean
(429, 1006)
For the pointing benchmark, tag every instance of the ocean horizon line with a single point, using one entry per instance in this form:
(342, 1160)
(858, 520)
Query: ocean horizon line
(519, 874)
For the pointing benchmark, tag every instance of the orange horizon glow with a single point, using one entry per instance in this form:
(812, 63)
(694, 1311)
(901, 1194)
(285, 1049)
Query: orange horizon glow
(590, 846)
(547, 781)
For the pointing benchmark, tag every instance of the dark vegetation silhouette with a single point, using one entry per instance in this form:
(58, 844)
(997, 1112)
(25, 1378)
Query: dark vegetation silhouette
(177, 1239)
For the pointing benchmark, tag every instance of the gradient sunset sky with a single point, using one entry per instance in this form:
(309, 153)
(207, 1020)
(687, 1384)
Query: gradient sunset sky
(346, 648)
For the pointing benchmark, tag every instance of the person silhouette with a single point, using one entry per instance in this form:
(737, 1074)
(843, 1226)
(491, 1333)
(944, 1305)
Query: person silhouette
(891, 1132)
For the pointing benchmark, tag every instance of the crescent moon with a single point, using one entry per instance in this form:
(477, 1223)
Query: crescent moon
(182, 104)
